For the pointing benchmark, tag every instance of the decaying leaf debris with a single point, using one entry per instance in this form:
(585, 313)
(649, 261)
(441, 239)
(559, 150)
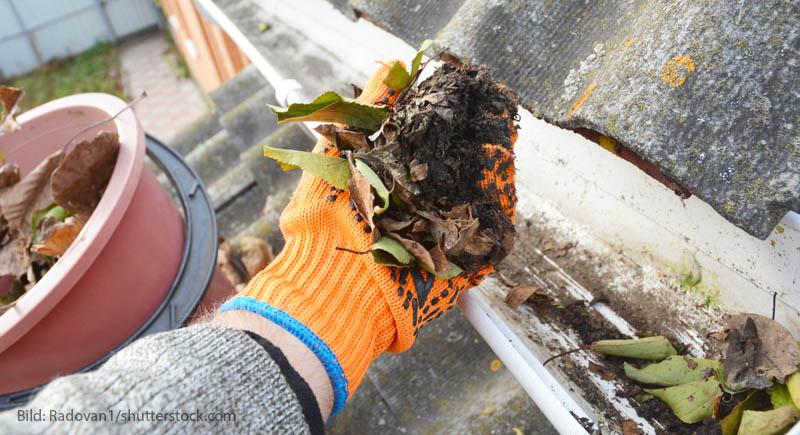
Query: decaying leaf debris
(43, 213)
(760, 352)
(430, 149)
(414, 168)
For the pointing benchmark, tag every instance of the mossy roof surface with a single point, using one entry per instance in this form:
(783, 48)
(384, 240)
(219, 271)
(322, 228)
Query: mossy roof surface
(706, 90)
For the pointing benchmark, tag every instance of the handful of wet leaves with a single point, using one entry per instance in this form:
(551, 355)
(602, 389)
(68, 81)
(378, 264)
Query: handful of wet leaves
(44, 212)
(753, 389)
(413, 167)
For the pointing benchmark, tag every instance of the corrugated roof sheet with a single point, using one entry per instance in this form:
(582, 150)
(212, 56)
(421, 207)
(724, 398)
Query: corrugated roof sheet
(707, 91)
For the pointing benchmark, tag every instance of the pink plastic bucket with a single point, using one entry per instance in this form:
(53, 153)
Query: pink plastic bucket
(116, 273)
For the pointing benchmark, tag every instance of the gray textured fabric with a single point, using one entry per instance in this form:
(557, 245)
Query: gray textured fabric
(208, 371)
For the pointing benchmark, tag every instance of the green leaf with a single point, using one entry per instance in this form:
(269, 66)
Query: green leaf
(653, 348)
(389, 252)
(377, 184)
(51, 211)
(334, 170)
(332, 107)
(779, 396)
(776, 421)
(418, 58)
(793, 384)
(730, 424)
(675, 370)
(690, 402)
(397, 78)
(453, 272)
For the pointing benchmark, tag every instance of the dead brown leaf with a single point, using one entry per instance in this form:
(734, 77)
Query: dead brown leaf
(15, 257)
(440, 262)
(463, 211)
(9, 175)
(5, 231)
(456, 235)
(361, 194)
(418, 171)
(480, 244)
(416, 249)
(421, 226)
(343, 138)
(58, 236)
(760, 352)
(10, 97)
(629, 427)
(519, 294)
(80, 180)
(32, 193)
(232, 268)
(356, 91)
(389, 224)
(256, 254)
(466, 237)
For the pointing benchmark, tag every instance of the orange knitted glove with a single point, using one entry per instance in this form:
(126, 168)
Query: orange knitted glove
(344, 307)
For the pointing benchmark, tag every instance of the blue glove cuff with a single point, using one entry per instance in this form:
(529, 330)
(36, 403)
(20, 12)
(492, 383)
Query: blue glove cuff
(307, 336)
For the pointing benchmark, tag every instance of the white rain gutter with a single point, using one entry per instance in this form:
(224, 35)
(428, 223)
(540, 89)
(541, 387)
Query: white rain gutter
(548, 394)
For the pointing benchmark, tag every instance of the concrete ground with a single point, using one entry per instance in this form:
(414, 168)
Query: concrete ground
(173, 102)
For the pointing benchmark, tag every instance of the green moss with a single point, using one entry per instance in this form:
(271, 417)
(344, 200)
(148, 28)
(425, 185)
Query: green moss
(691, 282)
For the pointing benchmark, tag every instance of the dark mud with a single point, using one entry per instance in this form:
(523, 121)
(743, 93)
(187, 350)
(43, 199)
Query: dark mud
(436, 135)
(597, 275)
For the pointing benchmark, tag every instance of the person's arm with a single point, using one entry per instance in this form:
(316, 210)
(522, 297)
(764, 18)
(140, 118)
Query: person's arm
(206, 378)
(300, 357)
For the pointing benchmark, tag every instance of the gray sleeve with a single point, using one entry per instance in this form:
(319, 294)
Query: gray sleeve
(201, 379)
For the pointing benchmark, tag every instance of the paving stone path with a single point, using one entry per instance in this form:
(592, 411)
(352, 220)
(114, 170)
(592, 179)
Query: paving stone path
(172, 103)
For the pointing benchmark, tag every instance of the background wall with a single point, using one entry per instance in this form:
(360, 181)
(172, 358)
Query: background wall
(34, 32)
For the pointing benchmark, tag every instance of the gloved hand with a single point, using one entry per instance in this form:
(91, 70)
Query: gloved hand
(343, 306)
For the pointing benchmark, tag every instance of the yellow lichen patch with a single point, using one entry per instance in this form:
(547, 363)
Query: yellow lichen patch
(582, 99)
(779, 228)
(627, 44)
(496, 364)
(674, 72)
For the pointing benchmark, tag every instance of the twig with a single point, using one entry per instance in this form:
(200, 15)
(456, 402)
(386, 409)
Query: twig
(339, 248)
(103, 121)
(774, 297)
(591, 346)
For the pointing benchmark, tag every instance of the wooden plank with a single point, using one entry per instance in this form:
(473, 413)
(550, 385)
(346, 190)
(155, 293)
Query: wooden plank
(200, 58)
(222, 57)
